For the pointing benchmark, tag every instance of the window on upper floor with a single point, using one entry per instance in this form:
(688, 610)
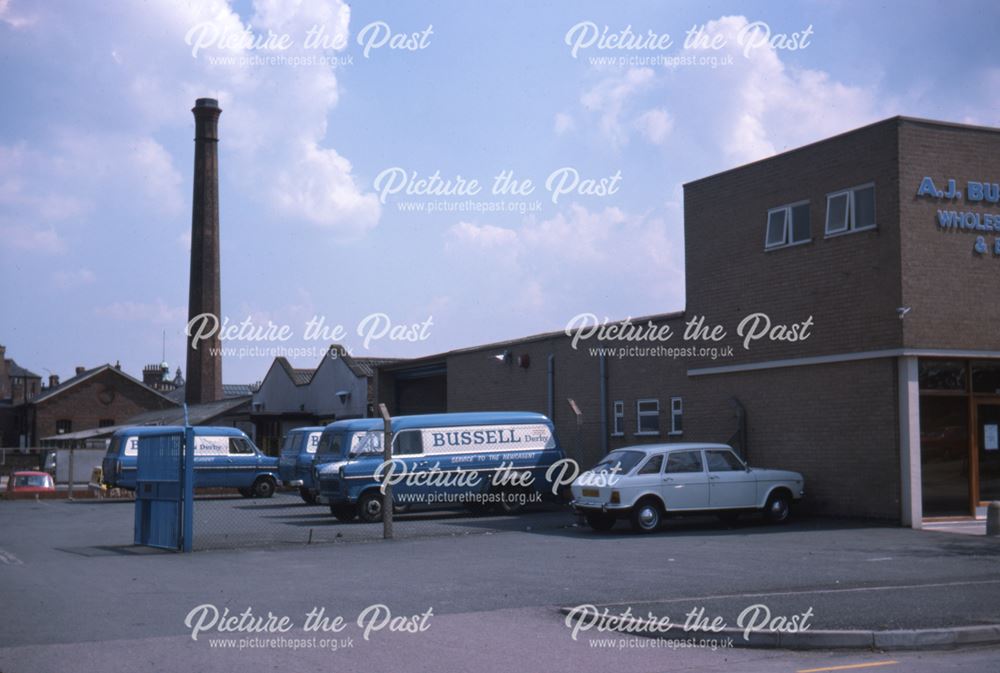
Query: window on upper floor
(850, 210)
(788, 225)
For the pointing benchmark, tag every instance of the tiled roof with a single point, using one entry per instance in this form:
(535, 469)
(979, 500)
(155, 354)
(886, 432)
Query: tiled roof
(229, 391)
(368, 365)
(198, 414)
(14, 369)
(86, 374)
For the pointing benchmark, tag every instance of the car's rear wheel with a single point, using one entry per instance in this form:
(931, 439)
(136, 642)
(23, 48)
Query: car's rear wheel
(778, 507)
(344, 513)
(601, 521)
(646, 516)
(307, 496)
(263, 487)
(370, 507)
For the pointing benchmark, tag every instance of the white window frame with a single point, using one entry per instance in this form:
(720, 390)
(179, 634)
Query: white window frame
(851, 227)
(676, 412)
(786, 239)
(639, 415)
(618, 419)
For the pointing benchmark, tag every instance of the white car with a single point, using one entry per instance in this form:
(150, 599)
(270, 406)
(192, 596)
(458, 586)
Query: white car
(644, 483)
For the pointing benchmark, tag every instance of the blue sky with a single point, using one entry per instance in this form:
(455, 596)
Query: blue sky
(96, 155)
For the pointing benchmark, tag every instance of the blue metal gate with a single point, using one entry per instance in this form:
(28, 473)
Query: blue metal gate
(164, 490)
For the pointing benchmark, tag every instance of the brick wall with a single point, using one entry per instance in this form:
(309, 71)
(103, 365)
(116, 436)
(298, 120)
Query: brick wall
(850, 284)
(106, 395)
(951, 289)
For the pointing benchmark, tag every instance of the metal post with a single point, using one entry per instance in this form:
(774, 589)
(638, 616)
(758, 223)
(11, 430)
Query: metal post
(993, 519)
(187, 520)
(386, 456)
(69, 490)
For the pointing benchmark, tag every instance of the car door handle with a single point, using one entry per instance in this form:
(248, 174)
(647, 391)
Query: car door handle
(668, 479)
(713, 478)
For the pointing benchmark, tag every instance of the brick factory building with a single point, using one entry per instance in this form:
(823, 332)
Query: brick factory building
(875, 256)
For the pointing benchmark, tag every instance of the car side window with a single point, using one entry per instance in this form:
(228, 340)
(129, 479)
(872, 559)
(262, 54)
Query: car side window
(238, 445)
(652, 465)
(684, 461)
(723, 461)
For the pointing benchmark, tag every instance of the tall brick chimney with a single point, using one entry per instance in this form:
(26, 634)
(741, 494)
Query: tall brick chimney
(204, 379)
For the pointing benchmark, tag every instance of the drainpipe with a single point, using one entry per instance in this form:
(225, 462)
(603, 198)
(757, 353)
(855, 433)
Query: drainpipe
(604, 404)
(552, 387)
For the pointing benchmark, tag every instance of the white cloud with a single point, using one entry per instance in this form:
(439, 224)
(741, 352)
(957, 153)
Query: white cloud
(68, 278)
(752, 108)
(655, 125)
(563, 123)
(760, 105)
(479, 236)
(318, 187)
(609, 97)
(157, 312)
(572, 259)
(32, 239)
(274, 121)
(15, 18)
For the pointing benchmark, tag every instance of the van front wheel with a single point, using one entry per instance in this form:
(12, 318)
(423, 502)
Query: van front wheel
(370, 507)
(263, 487)
(344, 513)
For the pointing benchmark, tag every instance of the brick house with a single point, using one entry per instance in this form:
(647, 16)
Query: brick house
(883, 246)
(93, 398)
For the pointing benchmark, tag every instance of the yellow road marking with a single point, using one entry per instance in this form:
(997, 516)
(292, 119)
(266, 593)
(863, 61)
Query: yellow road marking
(849, 667)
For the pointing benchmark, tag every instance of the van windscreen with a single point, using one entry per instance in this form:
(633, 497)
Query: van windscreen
(329, 446)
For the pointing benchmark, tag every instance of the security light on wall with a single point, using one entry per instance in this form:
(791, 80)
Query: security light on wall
(343, 396)
(503, 356)
(903, 310)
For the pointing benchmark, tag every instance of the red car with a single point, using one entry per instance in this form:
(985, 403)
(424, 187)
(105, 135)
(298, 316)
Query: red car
(30, 482)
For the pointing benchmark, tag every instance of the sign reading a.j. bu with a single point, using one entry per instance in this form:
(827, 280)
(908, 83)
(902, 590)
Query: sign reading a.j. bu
(967, 220)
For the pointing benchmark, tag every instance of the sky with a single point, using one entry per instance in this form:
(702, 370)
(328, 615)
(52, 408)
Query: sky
(327, 150)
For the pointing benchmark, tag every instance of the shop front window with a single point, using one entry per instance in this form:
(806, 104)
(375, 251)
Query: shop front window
(942, 375)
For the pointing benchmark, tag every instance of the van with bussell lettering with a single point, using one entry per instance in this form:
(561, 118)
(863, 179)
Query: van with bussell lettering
(296, 460)
(223, 458)
(645, 483)
(479, 460)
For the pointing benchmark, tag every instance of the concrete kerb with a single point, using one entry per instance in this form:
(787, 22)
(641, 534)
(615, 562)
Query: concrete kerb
(814, 639)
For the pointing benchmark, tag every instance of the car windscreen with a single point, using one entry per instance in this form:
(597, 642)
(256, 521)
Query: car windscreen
(31, 480)
(624, 461)
(114, 446)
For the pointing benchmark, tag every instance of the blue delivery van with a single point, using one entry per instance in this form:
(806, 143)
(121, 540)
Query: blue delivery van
(224, 457)
(296, 460)
(496, 460)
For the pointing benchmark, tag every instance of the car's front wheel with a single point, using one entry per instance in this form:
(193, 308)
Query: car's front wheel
(646, 516)
(308, 496)
(778, 507)
(601, 521)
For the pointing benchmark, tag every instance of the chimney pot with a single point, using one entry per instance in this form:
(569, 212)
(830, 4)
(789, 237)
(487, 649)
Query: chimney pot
(53, 380)
(80, 370)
